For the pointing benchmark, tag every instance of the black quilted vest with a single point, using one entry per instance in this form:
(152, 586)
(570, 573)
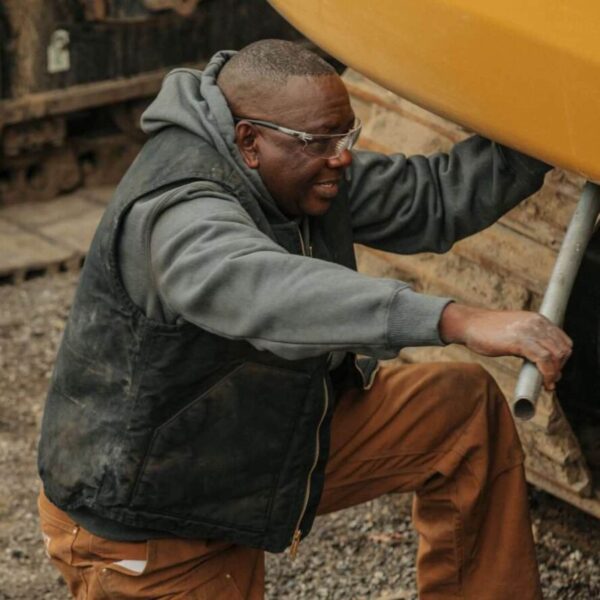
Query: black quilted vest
(172, 428)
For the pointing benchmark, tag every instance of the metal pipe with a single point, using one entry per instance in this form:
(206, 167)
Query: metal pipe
(559, 288)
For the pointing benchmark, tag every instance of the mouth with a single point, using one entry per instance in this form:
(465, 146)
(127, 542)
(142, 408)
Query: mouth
(328, 188)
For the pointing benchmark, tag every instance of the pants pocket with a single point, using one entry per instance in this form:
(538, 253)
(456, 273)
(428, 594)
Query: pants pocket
(191, 580)
(222, 587)
(58, 537)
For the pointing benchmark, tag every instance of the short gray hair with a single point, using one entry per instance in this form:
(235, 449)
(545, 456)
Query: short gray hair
(275, 61)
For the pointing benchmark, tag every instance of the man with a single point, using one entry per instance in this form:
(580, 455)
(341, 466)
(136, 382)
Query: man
(207, 402)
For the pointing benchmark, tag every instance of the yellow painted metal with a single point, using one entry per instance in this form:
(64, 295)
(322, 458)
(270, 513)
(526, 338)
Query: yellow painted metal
(525, 73)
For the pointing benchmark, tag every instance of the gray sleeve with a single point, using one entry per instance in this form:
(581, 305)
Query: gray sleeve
(213, 267)
(425, 204)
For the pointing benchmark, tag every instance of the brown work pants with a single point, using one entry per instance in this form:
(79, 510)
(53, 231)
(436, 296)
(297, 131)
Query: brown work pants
(441, 430)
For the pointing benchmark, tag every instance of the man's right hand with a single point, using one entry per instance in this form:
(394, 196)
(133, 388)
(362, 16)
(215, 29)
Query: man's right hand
(509, 332)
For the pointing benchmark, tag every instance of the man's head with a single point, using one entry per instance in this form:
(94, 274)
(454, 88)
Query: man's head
(284, 84)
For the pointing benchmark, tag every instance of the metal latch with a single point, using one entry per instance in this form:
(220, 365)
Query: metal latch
(58, 56)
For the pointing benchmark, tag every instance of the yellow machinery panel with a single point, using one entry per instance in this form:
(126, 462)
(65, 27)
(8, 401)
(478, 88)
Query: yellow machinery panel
(524, 73)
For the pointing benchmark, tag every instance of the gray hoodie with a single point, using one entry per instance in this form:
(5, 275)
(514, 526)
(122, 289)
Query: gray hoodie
(211, 263)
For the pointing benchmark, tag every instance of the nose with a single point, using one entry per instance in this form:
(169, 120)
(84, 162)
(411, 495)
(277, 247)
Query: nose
(340, 162)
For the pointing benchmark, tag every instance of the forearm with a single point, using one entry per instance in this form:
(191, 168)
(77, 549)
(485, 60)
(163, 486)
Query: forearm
(417, 204)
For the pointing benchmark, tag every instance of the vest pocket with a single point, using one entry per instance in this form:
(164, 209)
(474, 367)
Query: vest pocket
(217, 461)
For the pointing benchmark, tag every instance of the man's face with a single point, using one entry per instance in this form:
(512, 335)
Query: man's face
(301, 184)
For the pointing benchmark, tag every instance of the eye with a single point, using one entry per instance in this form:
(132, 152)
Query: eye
(318, 145)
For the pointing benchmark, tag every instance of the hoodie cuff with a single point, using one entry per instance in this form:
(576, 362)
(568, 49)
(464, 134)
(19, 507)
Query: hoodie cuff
(520, 162)
(414, 319)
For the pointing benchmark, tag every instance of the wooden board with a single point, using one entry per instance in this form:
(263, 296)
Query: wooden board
(524, 73)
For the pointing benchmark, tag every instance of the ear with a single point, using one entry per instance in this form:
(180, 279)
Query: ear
(247, 143)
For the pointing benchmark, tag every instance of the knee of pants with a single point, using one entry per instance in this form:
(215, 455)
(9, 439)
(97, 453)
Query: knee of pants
(441, 401)
(473, 391)
(487, 413)
(468, 385)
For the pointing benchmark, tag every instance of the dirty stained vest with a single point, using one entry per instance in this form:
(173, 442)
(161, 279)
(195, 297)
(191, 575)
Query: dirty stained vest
(167, 426)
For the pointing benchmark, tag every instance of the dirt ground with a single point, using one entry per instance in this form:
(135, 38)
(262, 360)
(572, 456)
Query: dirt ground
(363, 553)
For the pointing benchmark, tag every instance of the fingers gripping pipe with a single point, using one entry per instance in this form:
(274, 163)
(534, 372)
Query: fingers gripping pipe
(558, 291)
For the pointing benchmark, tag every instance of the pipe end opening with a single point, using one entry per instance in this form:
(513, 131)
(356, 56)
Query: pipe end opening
(524, 409)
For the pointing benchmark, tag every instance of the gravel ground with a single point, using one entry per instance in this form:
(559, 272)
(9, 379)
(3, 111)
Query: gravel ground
(362, 553)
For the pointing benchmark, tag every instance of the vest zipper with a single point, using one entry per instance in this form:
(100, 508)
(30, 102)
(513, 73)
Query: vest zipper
(305, 232)
(297, 533)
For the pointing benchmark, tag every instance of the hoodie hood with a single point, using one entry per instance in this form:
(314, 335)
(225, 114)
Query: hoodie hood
(192, 100)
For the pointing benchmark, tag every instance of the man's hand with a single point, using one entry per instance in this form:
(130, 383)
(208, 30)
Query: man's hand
(504, 332)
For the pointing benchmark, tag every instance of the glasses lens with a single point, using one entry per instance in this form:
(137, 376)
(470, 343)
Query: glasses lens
(332, 146)
(324, 147)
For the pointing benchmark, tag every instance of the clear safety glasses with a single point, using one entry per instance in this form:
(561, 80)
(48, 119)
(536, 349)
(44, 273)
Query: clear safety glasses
(320, 145)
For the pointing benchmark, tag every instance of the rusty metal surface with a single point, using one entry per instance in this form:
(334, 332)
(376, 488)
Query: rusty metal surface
(182, 7)
(79, 97)
(95, 10)
(63, 43)
(102, 10)
(33, 135)
(506, 267)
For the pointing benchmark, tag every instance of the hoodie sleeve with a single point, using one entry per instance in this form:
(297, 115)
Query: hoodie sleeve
(425, 204)
(215, 269)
